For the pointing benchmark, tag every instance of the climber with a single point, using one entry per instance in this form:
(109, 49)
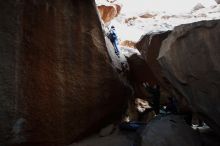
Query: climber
(114, 40)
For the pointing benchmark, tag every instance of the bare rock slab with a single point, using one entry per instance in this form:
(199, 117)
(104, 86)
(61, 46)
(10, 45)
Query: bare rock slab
(56, 80)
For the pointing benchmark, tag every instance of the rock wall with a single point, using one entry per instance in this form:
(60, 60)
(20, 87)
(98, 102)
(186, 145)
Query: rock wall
(149, 47)
(56, 80)
(190, 59)
(140, 71)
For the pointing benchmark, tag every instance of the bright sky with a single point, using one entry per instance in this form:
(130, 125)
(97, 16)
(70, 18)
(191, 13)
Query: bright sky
(171, 6)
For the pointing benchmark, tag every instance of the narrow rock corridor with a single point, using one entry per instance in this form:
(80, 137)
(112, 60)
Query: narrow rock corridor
(109, 73)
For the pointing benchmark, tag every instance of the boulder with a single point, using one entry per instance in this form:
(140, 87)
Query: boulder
(128, 43)
(140, 111)
(56, 80)
(217, 1)
(118, 8)
(140, 71)
(109, 12)
(169, 131)
(126, 51)
(190, 59)
(149, 47)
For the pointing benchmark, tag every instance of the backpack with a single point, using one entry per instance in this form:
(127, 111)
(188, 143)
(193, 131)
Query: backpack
(112, 36)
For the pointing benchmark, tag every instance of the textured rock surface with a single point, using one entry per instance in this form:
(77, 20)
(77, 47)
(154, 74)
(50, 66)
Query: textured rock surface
(169, 131)
(56, 80)
(109, 12)
(190, 58)
(149, 47)
(140, 71)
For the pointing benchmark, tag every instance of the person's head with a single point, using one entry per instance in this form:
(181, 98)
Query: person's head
(112, 27)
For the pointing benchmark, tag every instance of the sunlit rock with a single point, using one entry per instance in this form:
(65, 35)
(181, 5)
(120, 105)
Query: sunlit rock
(109, 12)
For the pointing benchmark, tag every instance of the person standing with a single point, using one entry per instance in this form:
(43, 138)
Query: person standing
(114, 40)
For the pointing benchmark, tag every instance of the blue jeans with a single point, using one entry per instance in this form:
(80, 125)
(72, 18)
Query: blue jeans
(116, 47)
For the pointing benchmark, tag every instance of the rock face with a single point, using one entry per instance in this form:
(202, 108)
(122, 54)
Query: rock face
(169, 131)
(56, 80)
(109, 12)
(140, 71)
(190, 58)
(149, 47)
(217, 1)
